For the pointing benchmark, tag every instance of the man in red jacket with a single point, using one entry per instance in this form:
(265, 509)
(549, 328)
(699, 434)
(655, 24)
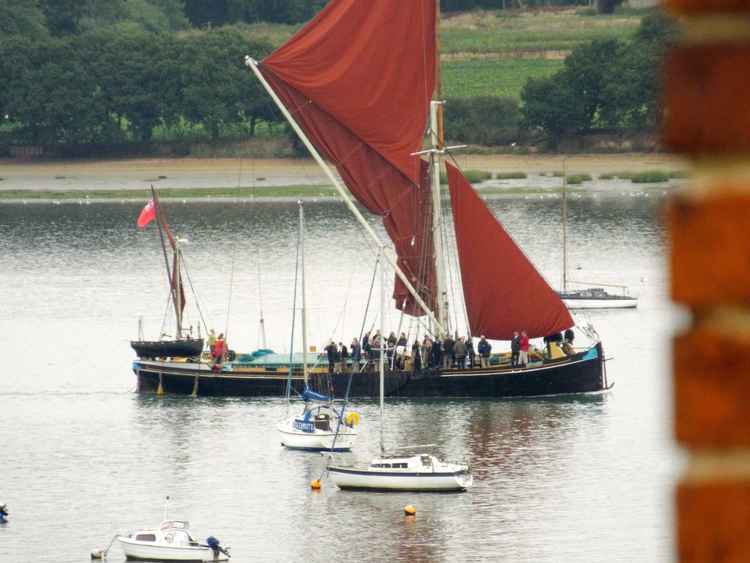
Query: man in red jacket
(523, 356)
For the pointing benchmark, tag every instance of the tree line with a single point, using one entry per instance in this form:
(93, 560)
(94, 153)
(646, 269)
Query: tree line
(603, 85)
(110, 84)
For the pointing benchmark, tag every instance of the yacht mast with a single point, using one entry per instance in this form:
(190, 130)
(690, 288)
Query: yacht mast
(437, 138)
(304, 292)
(177, 287)
(565, 230)
(382, 354)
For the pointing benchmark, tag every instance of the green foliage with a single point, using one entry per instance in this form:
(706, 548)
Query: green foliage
(650, 177)
(482, 121)
(575, 179)
(611, 84)
(22, 17)
(510, 175)
(473, 176)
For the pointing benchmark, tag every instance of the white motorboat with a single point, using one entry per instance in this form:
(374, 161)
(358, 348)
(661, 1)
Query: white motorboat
(417, 473)
(171, 541)
(319, 428)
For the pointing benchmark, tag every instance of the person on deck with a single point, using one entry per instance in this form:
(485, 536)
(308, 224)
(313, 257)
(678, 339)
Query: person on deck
(515, 348)
(219, 349)
(366, 344)
(416, 360)
(470, 354)
(331, 352)
(426, 352)
(436, 353)
(523, 345)
(356, 352)
(447, 351)
(211, 340)
(484, 349)
(459, 353)
(344, 358)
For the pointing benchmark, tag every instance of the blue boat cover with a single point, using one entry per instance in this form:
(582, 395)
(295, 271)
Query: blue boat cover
(310, 395)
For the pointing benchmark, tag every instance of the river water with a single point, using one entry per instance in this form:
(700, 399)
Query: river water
(565, 479)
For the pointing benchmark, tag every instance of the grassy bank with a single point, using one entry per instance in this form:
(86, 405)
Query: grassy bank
(493, 77)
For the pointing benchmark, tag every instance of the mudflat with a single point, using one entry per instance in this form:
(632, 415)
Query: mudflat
(139, 174)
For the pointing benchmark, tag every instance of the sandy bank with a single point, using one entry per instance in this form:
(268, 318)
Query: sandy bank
(139, 174)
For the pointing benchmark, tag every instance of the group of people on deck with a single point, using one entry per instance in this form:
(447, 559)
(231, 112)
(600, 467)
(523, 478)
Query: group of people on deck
(448, 353)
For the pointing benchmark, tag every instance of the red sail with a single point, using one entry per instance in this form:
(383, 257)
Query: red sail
(358, 80)
(502, 289)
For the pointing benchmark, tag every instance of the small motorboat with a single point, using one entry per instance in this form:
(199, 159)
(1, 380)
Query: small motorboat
(171, 541)
(319, 428)
(423, 472)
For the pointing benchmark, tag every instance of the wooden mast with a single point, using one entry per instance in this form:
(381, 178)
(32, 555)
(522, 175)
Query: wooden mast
(304, 292)
(437, 138)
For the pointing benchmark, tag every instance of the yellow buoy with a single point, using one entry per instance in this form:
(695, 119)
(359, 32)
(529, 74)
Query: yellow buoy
(409, 510)
(315, 485)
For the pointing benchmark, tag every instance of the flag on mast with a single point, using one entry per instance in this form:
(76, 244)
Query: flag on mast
(148, 214)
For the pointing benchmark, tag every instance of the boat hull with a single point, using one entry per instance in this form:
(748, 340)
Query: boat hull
(604, 303)
(142, 551)
(186, 348)
(354, 479)
(316, 441)
(583, 373)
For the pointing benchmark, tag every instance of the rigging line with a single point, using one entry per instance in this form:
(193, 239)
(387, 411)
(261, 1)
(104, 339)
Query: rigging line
(369, 298)
(164, 317)
(229, 301)
(195, 295)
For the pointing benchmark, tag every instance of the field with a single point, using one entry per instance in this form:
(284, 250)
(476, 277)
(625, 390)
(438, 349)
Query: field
(494, 53)
(525, 33)
(488, 77)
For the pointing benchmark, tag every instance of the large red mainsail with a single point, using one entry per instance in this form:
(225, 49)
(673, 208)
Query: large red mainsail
(358, 79)
(502, 289)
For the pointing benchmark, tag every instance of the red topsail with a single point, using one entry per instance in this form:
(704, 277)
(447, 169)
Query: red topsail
(364, 105)
(502, 289)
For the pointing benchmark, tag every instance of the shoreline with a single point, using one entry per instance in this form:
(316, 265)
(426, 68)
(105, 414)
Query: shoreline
(260, 175)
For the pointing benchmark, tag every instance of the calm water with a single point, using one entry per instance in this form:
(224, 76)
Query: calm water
(573, 479)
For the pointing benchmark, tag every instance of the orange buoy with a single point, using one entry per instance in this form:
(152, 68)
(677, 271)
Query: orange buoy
(409, 510)
(315, 485)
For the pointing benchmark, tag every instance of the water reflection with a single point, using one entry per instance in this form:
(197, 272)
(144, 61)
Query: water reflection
(78, 441)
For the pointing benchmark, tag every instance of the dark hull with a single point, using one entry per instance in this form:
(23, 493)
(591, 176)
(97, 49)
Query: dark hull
(583, 373)
(188, 348)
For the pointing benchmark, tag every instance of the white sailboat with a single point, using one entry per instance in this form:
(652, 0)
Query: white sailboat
(321, 426)
(587, 295)
(423, 472)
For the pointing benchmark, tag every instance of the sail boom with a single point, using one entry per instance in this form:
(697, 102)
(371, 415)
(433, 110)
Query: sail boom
(253, 65)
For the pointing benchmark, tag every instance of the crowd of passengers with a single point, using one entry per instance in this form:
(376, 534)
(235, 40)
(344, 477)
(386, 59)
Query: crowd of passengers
(450, 353)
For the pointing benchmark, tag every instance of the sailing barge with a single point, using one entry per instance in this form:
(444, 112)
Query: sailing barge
(357, 85)
(266, 376)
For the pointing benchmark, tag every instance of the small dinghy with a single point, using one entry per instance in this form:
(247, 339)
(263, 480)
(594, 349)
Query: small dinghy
(171, 541)
(417, 473)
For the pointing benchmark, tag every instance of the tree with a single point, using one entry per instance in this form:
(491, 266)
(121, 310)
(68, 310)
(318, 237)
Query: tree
(485, 120)
(22, 17)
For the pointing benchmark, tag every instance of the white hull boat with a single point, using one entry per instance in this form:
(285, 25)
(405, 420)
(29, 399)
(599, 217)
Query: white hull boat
(170, 542)
(418, 473)
(298, 434)
(575, 301)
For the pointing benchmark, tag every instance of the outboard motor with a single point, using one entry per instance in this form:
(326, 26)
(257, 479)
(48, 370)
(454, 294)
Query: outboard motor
(215, 546)
(3, 513)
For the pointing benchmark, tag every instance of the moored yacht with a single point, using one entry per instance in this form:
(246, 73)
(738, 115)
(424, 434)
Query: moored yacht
(416, 473)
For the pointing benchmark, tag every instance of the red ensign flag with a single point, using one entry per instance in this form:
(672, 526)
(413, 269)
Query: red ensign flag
(147, 215)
